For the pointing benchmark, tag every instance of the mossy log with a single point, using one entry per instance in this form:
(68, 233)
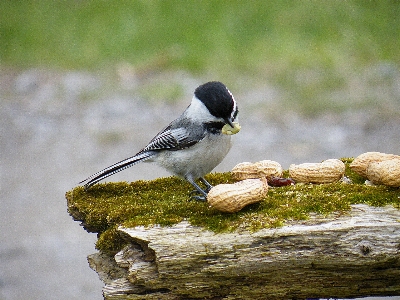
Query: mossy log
(352, 255)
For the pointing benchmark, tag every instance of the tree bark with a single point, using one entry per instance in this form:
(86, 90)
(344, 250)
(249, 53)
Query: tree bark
(353, 255)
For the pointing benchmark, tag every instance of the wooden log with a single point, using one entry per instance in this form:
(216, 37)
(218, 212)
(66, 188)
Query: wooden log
(353, 255)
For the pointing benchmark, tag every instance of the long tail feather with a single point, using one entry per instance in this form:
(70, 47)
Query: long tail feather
(115, 168)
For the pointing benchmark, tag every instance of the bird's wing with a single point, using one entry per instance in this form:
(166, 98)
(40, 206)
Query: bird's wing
(174, 139)
(171, 138)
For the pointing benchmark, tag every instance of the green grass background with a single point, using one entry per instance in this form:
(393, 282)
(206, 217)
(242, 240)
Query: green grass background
(307, 47)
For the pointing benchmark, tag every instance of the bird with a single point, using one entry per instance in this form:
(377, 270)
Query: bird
(192, 145)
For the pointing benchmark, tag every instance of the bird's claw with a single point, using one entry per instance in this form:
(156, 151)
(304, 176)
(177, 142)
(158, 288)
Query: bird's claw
(199, 198)
(196, 195)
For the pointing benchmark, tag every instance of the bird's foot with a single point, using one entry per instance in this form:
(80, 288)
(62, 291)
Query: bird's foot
(198, 196)
(207, 184)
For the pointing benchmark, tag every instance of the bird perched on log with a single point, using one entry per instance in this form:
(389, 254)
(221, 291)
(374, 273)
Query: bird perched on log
(192, 145)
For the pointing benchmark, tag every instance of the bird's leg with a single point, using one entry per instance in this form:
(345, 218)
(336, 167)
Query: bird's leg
(199, 190)
(206, 183)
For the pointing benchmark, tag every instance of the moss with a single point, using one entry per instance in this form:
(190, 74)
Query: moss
(165, 201)
(353, 176)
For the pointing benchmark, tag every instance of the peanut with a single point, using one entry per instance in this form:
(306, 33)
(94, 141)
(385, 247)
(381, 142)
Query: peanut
(328, 171)
(233, 197)
(261, 169)
(361, 162)
(385, 172)
(227, 129)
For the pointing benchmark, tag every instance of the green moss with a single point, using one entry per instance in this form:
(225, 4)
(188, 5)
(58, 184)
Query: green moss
(165, 201)
(353, 176)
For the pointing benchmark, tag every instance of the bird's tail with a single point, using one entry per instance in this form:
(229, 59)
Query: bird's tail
(115, 168)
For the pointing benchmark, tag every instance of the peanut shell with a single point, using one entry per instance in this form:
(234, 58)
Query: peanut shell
(328, 171)
(261, 169)
(385, 172)
(361, 162)
(233, 197)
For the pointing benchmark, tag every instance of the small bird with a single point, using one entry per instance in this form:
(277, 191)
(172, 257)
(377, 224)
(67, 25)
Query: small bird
(192, 145)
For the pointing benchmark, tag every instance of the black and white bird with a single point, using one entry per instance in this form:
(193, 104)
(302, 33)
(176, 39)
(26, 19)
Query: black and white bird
(192, 145)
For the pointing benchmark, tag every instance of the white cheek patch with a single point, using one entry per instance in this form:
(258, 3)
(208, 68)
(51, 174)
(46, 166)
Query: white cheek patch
(198, 111)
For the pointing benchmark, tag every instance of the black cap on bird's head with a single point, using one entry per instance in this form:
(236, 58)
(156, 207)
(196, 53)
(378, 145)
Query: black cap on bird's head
(218, 100)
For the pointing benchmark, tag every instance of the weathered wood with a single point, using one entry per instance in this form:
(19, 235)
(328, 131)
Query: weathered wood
(354, 255)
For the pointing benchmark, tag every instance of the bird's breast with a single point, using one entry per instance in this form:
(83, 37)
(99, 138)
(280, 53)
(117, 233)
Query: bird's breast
(197, 160)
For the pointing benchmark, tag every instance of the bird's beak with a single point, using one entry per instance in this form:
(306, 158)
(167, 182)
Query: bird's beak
(230, 127)
(229, 121)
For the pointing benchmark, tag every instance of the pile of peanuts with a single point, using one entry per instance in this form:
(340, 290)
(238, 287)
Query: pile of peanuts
(254, 178)
(379, 168)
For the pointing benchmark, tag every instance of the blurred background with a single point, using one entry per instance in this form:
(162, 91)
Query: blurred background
(85, 84)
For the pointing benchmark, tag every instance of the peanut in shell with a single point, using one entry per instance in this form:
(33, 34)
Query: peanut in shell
(261, 169)
(361, 162)
(330, 170)
(233, 197)
(385, 172)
